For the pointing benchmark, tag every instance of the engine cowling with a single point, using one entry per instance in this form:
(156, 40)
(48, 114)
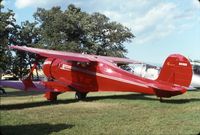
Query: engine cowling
(51, 68)
(47, 67)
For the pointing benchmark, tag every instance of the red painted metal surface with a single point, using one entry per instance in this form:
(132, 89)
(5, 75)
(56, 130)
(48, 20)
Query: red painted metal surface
(89, 73)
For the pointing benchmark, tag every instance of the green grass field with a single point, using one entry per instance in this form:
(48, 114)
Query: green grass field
(28, 113)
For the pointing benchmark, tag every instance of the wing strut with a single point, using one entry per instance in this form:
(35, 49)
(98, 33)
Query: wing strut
(27, 80)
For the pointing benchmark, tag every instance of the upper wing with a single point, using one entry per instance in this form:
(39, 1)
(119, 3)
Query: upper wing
(119, 60)
(55, 54)
(72, 56)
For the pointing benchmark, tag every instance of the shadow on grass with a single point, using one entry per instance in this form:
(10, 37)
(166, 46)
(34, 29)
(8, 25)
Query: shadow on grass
(33, 129)
(181, 101)
(20, 93)
(34, 104)
(143, 97)
(133, 97)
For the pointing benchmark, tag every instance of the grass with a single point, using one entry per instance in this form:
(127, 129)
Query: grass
(28, 113)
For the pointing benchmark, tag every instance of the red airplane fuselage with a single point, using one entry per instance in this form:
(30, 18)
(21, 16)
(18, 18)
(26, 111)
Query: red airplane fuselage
(100, 75)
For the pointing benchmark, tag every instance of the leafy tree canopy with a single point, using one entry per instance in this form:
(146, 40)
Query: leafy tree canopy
(69, 30)
(13, 34)
(78, 31)
(7, 25)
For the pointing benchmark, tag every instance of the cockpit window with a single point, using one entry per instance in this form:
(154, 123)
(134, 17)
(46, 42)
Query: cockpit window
(142, 70)
(83, 64)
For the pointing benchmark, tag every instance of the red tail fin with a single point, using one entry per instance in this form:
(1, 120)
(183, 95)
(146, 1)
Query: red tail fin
(176, 70)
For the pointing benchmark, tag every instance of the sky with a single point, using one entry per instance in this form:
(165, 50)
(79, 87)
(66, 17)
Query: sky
(161, 27)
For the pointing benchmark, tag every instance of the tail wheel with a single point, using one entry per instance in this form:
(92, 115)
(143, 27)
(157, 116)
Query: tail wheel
(80, 95)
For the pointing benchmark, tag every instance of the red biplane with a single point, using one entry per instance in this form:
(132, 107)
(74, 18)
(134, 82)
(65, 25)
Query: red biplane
(84, 73)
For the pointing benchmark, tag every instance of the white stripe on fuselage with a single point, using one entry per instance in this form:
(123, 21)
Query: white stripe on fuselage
(70, 68)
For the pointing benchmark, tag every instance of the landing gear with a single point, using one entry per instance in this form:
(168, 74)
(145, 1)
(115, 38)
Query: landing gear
(51, 96)
(2, 91)
(80, 95)
(161, 99)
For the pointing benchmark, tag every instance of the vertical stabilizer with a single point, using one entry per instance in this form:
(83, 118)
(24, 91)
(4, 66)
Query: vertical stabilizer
(176, 70)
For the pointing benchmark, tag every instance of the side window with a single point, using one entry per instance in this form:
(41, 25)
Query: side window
(83, 64)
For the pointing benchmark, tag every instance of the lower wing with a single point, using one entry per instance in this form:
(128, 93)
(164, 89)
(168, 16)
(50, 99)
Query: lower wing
(37, 86)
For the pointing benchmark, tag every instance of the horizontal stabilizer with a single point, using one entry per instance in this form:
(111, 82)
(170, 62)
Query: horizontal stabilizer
(163, 89)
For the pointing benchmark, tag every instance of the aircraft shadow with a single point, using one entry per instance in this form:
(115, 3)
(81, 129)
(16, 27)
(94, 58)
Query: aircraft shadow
(180, 101)
(135, 96)
(20, 93)
(35, 104)
(33, 129)
(139, 96)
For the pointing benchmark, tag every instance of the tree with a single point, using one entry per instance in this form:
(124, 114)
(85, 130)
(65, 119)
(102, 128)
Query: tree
(68, 30)
(13, 34)
(27, 34)
(78, 31)
(7, 25)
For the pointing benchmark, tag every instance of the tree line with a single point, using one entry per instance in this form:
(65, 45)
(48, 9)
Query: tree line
(70, 30)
